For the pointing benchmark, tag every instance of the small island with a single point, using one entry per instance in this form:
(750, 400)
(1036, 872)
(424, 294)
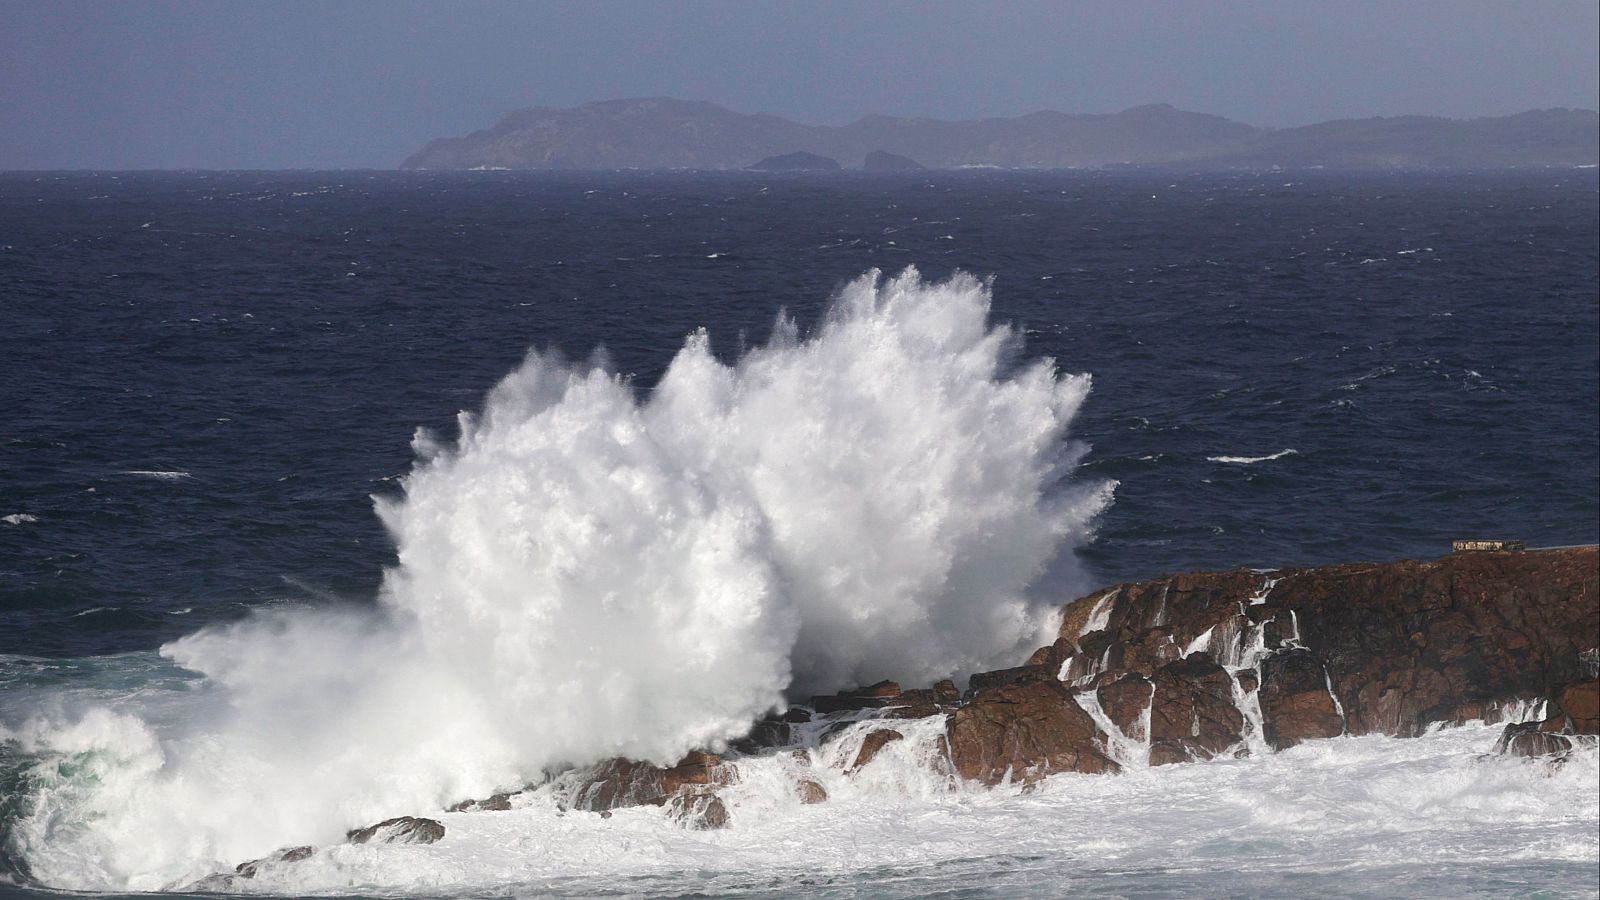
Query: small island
(799, 161)
(884, 161)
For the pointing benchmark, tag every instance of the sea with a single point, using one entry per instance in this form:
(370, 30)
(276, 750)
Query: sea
(327, 497)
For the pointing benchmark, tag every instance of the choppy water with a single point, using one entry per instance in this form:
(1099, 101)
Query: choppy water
(204, 378)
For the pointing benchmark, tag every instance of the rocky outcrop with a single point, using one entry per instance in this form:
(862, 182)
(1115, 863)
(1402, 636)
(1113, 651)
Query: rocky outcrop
(617, 783)
(1387, 648)
(495, 803)
(810, 791)
(1577, 706)
(1179, 669)
(1024, 731)
(287, 855)
(799, 161)
(698, 810)
(1528, 739)
(401, 830)
(873, 744)
(873, 696)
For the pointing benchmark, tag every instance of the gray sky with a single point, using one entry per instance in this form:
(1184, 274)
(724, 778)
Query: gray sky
(142, 84)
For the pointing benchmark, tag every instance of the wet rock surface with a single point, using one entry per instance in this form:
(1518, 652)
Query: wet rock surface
(1125, 701)
(400, 830)
(1527, 739)
(287, 855)
(617, 783)
(1192, 712)
(1295, 702)
(810, 791)
(1401, 646)
(873, 744)
(698, 810)
(1024, 731)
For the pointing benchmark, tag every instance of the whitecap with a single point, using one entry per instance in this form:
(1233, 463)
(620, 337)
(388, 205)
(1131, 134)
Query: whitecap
(18, 519)
(1248, 460)
(173, 475)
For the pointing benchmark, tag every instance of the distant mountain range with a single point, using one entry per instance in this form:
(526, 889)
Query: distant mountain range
(663, 133)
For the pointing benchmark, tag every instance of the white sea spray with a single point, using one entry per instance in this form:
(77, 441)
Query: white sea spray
(584, 573)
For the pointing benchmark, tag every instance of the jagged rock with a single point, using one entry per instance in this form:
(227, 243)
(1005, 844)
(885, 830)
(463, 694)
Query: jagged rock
(400, 830)
(983, 681)
(617, 783)
(1405, 645)
(917, 704)
(945, 693)
(286, 855)
(697, 768)
(1295, 703)
(773, 731)
(1167, 753)
(495, 803)
(874, 696)
(1525, 739)
(810, 791)
(872, 745)
(698, 809)
(1051, 656)
(1248, 680)
(1028, 730)
(1192, 708)
(1125, 700)
(1580, 703)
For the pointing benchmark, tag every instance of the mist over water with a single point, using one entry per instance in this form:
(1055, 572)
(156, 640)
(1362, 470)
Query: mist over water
(586, 573)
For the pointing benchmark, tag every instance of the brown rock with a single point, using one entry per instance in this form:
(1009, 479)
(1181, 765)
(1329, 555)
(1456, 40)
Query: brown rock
(1405, 644)
(917, 704)
(400, 830)
(1192, 708)
(1028, 730)
(1525, 739)
(810, 791)
(1125, 700)
(872, 745)
(287, 855)
(496, 803)
(1295, 703)
(945, 693)
(1248, 680)
(617, 783)
(1580, 702)
(697, 768)
(873, 696)
(983, 681)
(1166, 753)
(698, 809)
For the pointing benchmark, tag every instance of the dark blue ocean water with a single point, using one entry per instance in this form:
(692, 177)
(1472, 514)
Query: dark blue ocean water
(1425, 344)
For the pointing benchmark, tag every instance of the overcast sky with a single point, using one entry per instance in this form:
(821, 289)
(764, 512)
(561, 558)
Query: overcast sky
(142, 84)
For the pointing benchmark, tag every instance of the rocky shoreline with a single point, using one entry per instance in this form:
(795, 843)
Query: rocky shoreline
(1180, 669)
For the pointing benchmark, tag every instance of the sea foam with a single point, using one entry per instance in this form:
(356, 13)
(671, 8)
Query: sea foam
(583, 573)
